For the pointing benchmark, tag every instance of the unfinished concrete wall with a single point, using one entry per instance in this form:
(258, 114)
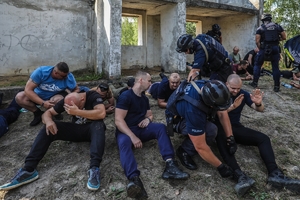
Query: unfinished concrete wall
(241, 33)
(153, 41)
(35, 33)
(173, 20)
(237, 3)
(109, 16)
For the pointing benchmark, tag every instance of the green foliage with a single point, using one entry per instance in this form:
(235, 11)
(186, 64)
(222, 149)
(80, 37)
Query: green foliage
(191, 28)
(285, 13)
(129, 31)
(260, 196)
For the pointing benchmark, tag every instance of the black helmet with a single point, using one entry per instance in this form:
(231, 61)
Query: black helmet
(216, 94)
(184, 43)
(266, 17)
(216, 27)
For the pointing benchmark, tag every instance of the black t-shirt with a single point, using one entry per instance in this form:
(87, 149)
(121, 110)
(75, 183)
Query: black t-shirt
(93, 98)
(252, 52)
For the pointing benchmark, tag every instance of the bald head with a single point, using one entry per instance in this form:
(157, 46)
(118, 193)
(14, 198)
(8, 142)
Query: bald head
(174, 77)
(234, 79)
(174, 81)
(74, 96)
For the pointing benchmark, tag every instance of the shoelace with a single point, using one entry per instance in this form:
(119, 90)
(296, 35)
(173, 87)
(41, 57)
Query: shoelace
(94, 174)
(18, 175)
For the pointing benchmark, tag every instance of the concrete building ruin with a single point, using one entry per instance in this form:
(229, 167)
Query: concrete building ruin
(87, 33)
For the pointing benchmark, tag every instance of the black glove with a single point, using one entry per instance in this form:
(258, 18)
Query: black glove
(231, 145)
(225, 171)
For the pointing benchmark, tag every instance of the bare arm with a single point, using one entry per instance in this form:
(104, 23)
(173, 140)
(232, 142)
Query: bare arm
(204, 150)
(283, 36)
(225, 121)
(120, 115)
(97, 113)
(250, 59)
(161, 103)
(110, 106)
(29, 91)
(257, 40)
(48, 121)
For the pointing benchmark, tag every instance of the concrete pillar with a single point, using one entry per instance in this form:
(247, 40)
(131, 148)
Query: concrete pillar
(153, 41)
(109, 16)
(173, 20)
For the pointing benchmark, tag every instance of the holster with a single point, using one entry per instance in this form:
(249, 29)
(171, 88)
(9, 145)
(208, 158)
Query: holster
(170, 120)
(268, 53)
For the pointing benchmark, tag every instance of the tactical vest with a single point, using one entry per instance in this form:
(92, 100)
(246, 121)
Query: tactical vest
(179, 94)
(216, 55)
(271, 35)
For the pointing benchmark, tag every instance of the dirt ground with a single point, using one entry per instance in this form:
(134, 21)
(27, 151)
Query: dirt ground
(63, 170)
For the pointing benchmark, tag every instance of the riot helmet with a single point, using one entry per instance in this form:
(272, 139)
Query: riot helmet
(266, 17)
(215, 27)
(184, 43)
(216, 95)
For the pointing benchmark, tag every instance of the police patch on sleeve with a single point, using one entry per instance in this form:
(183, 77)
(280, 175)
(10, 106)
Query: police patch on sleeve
(99, 100)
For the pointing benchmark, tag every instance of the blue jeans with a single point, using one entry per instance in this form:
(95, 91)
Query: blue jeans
(259, 61)
(152, 131)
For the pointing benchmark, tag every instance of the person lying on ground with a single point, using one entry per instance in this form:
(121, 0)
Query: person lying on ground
(8, 115)
(163, 90)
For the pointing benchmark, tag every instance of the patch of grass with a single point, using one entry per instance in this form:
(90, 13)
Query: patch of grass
(260, 196)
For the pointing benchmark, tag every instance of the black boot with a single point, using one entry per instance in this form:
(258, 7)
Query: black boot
(37, 117)
(185, 159)
(173, 172)
(135, 189)
(253, 84)
(244, 182)
(278, 180)
(276, 88)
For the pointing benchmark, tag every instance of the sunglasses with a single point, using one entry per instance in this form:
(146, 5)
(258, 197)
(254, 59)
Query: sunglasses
(103, 88)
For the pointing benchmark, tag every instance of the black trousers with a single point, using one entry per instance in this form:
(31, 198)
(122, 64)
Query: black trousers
(93, 132)
(248, 137)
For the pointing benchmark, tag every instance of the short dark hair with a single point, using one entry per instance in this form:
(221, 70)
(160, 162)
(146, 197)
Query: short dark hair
(130, 82)
(63, 67)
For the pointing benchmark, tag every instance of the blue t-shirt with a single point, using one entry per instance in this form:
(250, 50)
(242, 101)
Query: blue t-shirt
(137, 107)
(164, 90)
(235, 115)
(48, 86)
(194, 117)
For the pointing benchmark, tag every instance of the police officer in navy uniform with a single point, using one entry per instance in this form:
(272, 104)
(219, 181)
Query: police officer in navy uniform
(267, 39)
(215, 32)
(208, 55)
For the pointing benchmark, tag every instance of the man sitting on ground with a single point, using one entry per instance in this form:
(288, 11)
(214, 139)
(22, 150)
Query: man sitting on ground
(46, 86)
(249, 137)
(87, 125)
(133, 119)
